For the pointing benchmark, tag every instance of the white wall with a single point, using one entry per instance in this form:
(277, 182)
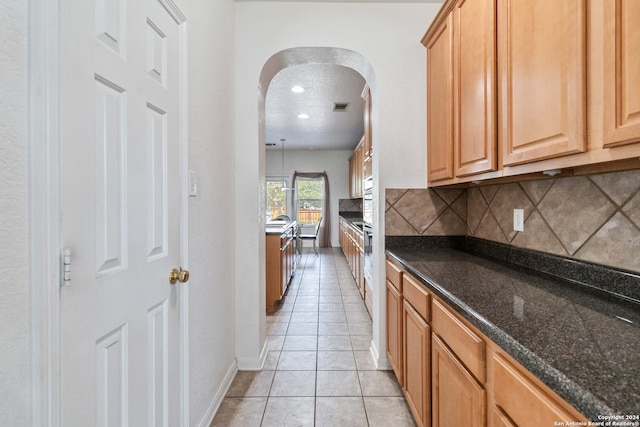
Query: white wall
(211, 216)
(334, 163)
(388, 36)
(14, 314)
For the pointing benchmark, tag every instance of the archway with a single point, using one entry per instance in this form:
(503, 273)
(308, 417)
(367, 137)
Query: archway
(305, 56)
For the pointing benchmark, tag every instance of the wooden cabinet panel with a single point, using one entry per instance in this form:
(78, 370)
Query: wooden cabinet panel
(280, 265)
(440, 103)
(497, 418)
(352, 243)
(464, 342)
(621, 72)
(356, 170)
(394, 331)
(541, 79)
(394, 275)
(443, 370)
(521, 400)
(458, 398)
(417, 296)
(360, 263)
(474, 87)
(417, 353)
(368, 141)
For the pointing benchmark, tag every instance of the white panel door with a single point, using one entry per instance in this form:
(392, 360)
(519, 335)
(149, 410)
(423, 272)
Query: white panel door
(121, 212)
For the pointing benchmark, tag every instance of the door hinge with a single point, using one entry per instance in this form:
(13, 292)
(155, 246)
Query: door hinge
(66, 267)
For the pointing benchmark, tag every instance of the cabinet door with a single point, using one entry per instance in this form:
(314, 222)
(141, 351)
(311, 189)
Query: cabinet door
(541, 79)
(368, 142)
(417, 350)
(360, 169)
(352, 179)
(394, 331)
(474, 87)
(458, 398)
(497, 418)
(621, 72)
(283, 269)
(440, 103)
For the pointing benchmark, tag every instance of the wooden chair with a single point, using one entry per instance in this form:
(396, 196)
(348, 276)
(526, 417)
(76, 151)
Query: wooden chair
(312, 236)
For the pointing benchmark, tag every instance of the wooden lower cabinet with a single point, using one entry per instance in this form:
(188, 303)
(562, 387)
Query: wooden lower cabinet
(458, 399)
(280, 260)
(452, 374)
(520, 401)
(352, 243)
(394, 331)
(417, 355)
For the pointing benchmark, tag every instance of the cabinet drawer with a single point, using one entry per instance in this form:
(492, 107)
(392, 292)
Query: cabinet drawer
(468, 346)
(416, 295)
(394, 275)
(522, 401)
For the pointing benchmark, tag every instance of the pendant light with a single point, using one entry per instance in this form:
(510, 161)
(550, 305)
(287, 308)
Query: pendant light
(284, 182)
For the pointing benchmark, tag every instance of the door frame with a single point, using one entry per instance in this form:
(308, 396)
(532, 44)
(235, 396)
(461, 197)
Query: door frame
(45, 193)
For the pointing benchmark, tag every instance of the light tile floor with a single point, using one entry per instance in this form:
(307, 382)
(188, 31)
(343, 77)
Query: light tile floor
(319, 371)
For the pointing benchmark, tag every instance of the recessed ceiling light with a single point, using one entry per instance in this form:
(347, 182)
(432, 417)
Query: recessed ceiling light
(297, 89)
(303, 116)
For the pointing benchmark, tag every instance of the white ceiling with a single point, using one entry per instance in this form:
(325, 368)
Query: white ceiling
(346, 1)
(324, 84)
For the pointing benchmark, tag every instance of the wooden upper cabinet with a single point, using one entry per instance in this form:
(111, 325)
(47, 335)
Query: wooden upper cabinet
(356, 170)
(474, 27)
(541, 79)
(368, 142)
(621, 72)
(440, 102)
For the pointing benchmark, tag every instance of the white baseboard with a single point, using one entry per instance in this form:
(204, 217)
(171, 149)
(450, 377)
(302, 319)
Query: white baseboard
(207, 419)
(254, 364)
(382, 363)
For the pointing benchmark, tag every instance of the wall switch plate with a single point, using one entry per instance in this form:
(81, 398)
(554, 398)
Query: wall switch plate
(518, 220)
(193, 184)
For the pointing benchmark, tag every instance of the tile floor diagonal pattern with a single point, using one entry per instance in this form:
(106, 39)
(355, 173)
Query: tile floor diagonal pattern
(319, 370)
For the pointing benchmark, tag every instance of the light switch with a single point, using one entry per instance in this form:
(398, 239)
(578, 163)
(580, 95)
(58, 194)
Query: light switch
(193, 184)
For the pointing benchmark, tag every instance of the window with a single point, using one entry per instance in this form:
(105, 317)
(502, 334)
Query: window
(276, 198)
(310, 195)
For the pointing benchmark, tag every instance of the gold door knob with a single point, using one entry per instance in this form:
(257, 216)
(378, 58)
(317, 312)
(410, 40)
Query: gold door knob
(178, 276)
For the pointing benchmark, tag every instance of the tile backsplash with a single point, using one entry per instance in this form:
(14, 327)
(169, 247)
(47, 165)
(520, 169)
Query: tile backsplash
(593, 218)
(350, 205)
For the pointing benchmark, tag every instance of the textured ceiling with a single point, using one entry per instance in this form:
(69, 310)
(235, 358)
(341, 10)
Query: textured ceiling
(347, 1)
(324, 84)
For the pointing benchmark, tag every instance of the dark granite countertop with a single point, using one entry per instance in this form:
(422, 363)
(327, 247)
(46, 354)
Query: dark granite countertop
(278, 227)
(354, 219)
(351, 216)
(584, 345)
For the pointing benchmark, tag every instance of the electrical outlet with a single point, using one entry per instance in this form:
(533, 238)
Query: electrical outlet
(518, 220)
